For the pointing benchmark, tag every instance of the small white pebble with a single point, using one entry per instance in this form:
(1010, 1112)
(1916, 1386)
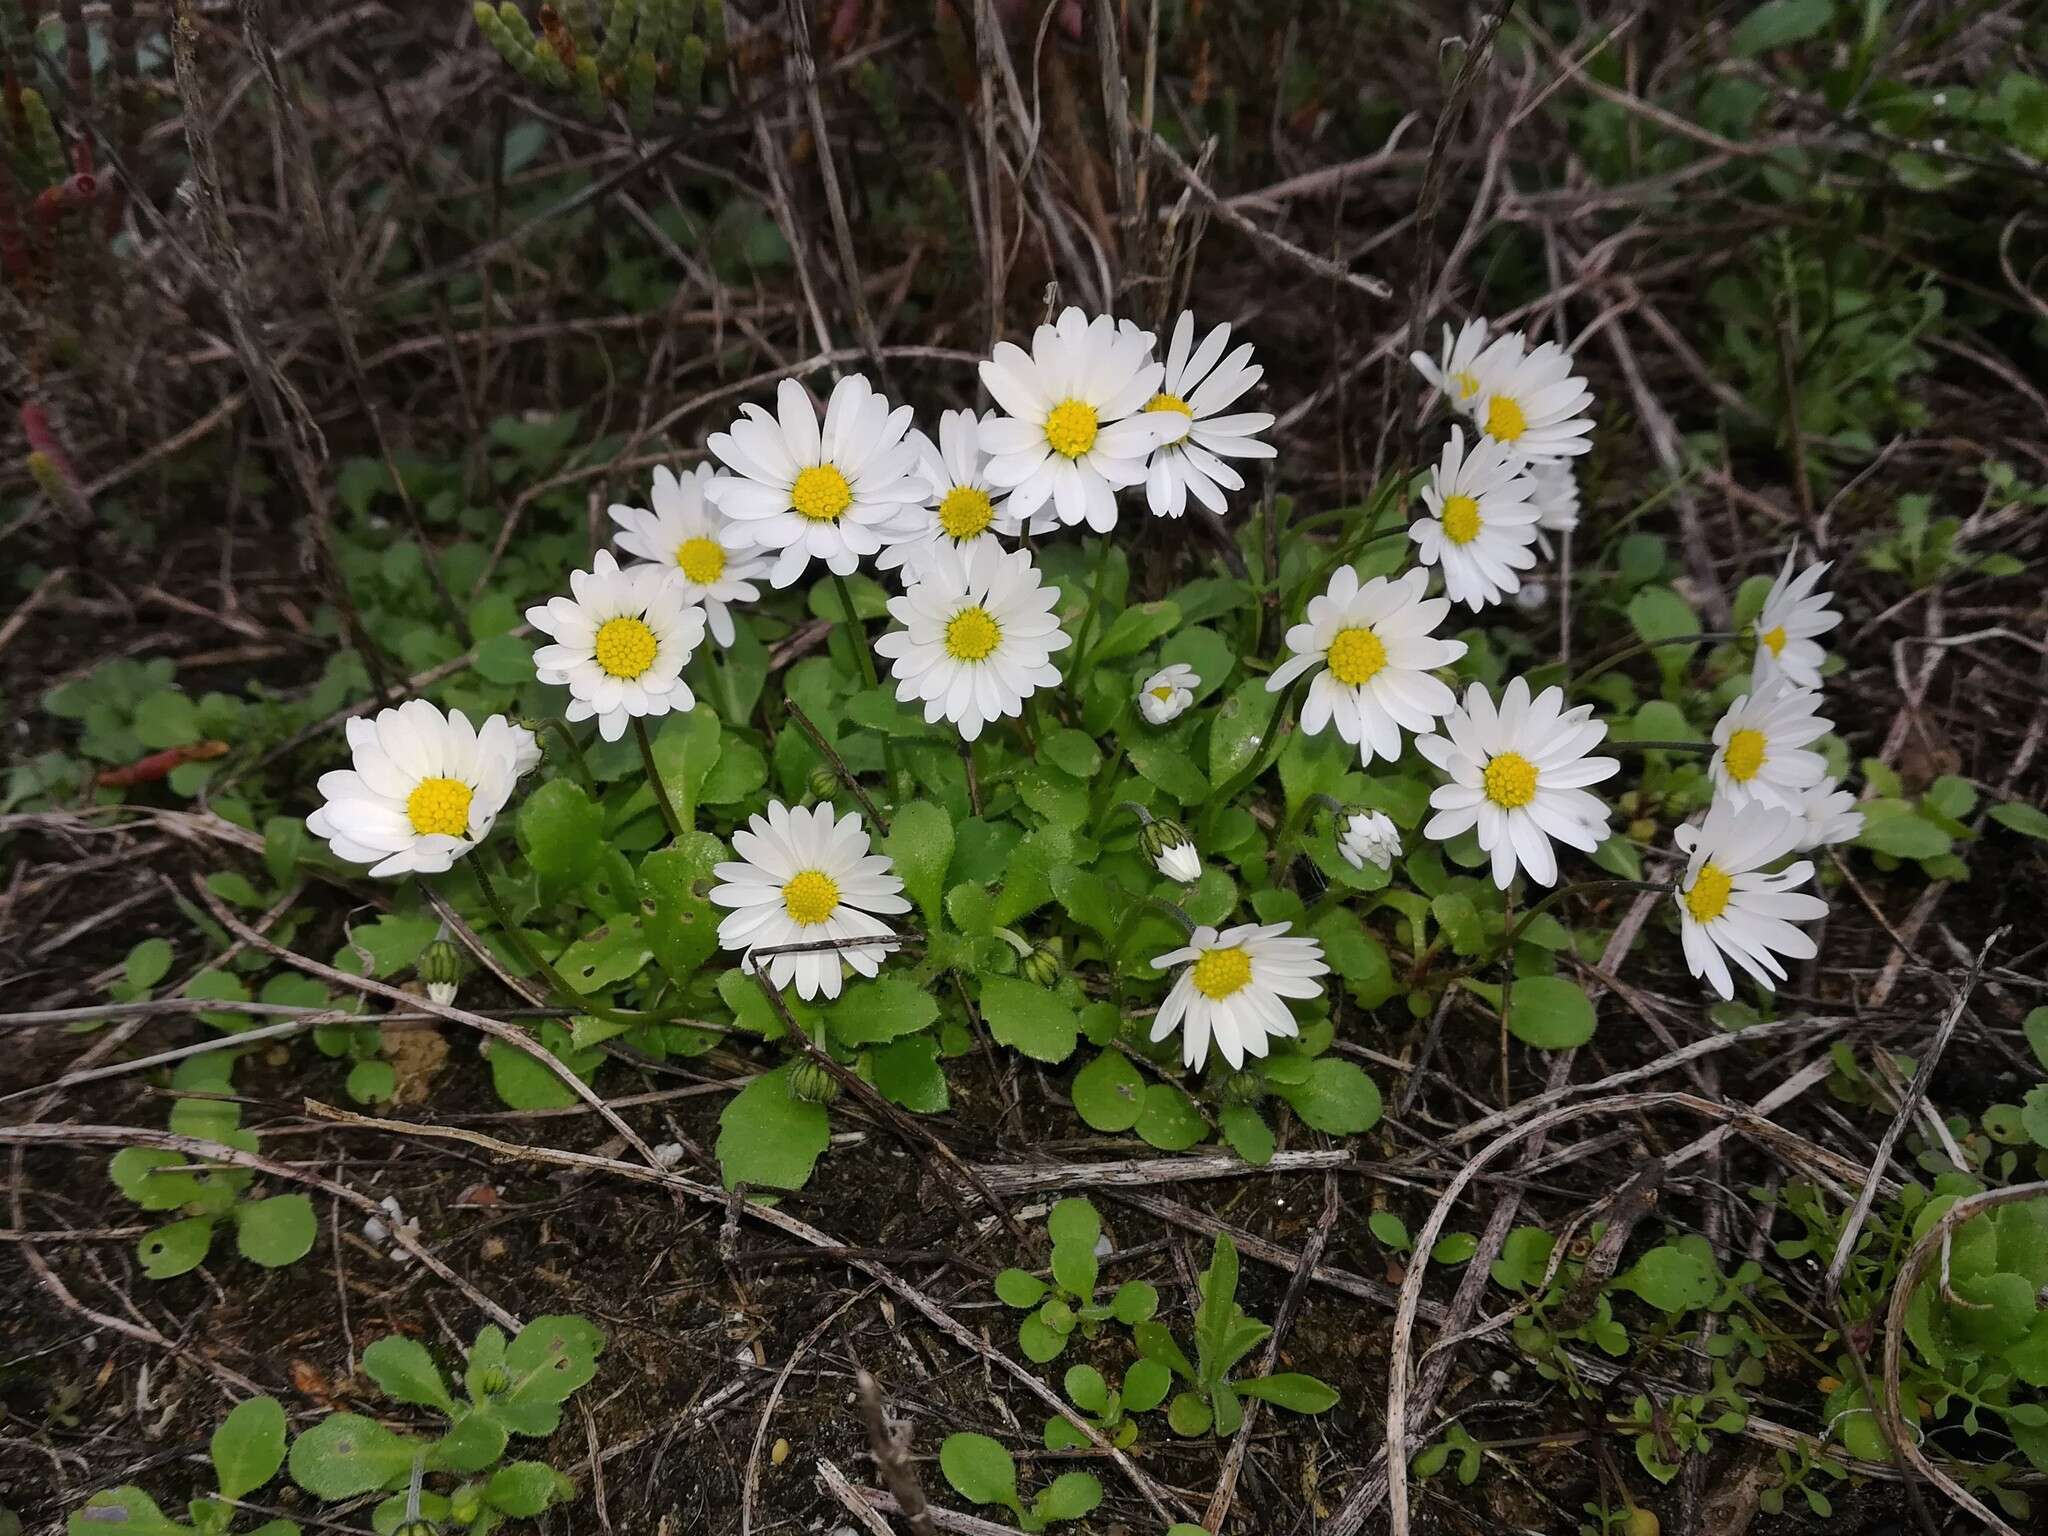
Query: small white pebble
(1103, 1247)
(1941, 98)
(1941, 146)
(669, 1153)
(1532, 596)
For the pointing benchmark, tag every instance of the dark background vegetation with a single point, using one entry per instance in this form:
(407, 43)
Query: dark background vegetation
(1797, 247)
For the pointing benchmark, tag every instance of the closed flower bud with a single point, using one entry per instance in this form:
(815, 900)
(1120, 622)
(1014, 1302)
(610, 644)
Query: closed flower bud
(1171, 850)
(495, 1378)
(1368, 837)
(810, 1083)
(1042, 966)
(1241, 1088)
(441, 969)
(824, 782)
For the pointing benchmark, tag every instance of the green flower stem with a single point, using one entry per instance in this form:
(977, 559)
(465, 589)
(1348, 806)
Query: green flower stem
(1269, 748)
(1643, 647)
(860, 634)
(1551, 899)
(578, 764)
(1094, 602)
(668, 810)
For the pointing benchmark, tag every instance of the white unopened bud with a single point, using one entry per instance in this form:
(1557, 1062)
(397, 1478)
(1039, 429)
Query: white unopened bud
(1368, 837)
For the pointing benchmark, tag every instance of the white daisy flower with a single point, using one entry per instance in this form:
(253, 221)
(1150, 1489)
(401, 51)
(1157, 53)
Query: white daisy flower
(1376, 645)
(1532, 401)
(621, 641)
(1368, 837)
(817, 496)
(977, 637)
(1519, 773)
(1194, 391)
(959, 508)
(1828, 815)
(1069, 435)
(1171, 850)
(1232, 989)
(1727, 906)
(423, 790)
(807, 876)
(1793, 614)
(1452, 373)
(1482, 525)
(1556, 498)
(1168, 692)
(715, 563)
(1760, 746)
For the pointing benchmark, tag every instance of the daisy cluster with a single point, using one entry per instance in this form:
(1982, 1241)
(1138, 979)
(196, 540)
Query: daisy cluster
(1089, 411)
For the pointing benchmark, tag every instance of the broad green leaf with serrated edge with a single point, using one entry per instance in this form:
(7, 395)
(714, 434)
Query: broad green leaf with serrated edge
(404, 1369)
(1029, 1018)
(920, 840)
(561, 832)
(345, 1455)
(768, 1139)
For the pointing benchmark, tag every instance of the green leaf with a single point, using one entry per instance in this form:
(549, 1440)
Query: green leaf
(506, 660)
(1904, 836)
(1146, 1384)
(1134, 1302)
(1086, 1388)
(166, 719)
(345, 1455)
(138, 1172)
(525, 1488)
(175, 1248)
(1523, 1256)
(2028, 820)
(979, 1469)
(682, 930)
(277, 1231)
(371, 1082)
(920, 840)
(1454, 1248)
(907, 1072)
(874, 1012)
(127, 1510)
(404, 1369)
(768, 1139)
(550, 1358)
(523, 1081)
(1161, 763)
(1550, 1013)
(248, 1447)
(147, 964)
(561, 831)
(1247, 1132)
(1073, 752)
(1020, 1288)
(1029, 1018)
(1290, 1390)
(1778, 24)
(1109, 1092)
(1074, 1227)
(1336, 1097)
(685, 751)
(1134, 629)
(2036, 1027)
(1390, 1229)
(605, 957)
(1189, 1415)
(1067, 1497)
(475, 1441)
(1659, 613)
(1237, 729)
(1168, 1119)
(1671, 1280)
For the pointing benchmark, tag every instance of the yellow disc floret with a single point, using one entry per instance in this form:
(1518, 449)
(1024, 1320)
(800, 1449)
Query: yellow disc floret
(1356, 656)
(1466, 383)
(1511, 781)
(1461, 519)
(625, 647)
(971, 634)
(702, 560)
(821, 494)
(1070, 428)
(439, 807)
(1707, 897)
(966, 512)
(1745, 755)
(1774, 640)
(1505, 422)
(1221, 972)
(810, 897)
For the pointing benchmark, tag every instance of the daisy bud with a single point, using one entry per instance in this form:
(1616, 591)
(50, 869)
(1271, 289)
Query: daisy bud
(810, 1083)
(1042, 966)
(1170, 848)
(1241, 1088)
(441, 969)
(824, 782)
(495, 1379)
(1368, 837)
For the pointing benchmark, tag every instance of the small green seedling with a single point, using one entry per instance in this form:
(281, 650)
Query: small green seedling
(271, 1232)
(1223, 1337)
(981, 1470)
(1108, 1408)
(515, 1388)
(247, 1449)
(1069, 1301)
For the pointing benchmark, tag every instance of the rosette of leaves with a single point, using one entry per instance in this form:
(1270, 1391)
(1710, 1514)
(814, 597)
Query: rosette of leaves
(980, 1470)
(271, 1231)
(509, 1387)
(1067, 1302)
(1108, 1408)
(246, 1450)
(1224, 1335)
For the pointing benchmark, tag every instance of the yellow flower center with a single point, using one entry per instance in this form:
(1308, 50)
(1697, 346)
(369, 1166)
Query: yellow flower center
(1774, 640)
(1511, 781)
(625, 647)
(1466, 382)
(1707, 897)
(1461, 519)
(1356, 656)
(1504, 420)
(1745, 755)
(702, 560)
(439, 806)
(972, 634)
(1070, 428)
(1165, 402)
(810, 897)
(1162, 694)
(821, 494)
(966, 512)
(1221, 972)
